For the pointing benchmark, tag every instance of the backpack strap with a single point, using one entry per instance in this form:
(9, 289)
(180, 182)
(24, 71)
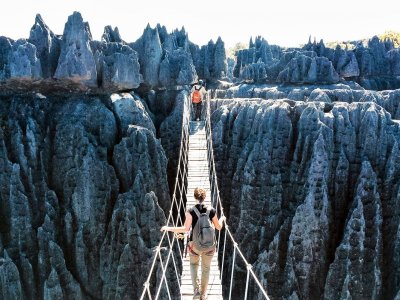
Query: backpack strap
(196, 211)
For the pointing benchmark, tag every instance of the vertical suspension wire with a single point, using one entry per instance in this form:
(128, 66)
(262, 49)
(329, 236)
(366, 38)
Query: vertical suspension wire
(171, 245)
(182, 204)
(248, 267)
(223, 255)
(147, 282)
(163, 278)
(147, 289)
(175, 203)
(233, 270)
(173, 258)
(164, 270)
(181, 189)
(181, 173)
(219, 241)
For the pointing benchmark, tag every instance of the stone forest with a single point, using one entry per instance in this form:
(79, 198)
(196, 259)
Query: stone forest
(305, 143)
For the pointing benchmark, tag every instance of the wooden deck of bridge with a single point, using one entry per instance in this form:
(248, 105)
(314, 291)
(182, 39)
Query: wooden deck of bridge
(198, 177)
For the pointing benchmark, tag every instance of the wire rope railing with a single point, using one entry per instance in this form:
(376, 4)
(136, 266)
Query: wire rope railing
(177, 203)
(180, 190)
(216, 202)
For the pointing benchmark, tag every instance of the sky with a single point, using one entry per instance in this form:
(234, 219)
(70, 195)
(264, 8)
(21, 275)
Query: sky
(281, 22)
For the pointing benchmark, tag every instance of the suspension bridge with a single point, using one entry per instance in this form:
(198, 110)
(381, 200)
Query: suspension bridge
(169, 275)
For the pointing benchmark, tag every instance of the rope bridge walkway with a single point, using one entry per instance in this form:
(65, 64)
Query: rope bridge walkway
(170, 268)
(198, 176)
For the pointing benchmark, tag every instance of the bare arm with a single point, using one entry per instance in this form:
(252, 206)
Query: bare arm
(218, 223)
(185, 228)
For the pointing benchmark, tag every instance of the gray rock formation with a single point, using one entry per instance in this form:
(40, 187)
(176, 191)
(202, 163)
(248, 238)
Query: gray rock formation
(83, 191)
(118, 67)
(373, 60)
(23, 61)
(170, 59)
(130, 237)
(52, 288)
(345, 63)
(10, 287)
(76, 60)
(47, 46)
(356, 271)
(150, 54)
(256, 72)
(319, 95)
(130, 110)
(308, 239)
(374, 67)
(310, 182)
(219, 69)
(111, 36)
(259, 52)
(80, 64)
(313, 185)
(171, 134)
(126, 157)
(210, 60)
(390, 100)
(18, 60)
(177, 69)
(305, 69)
(394, 61)
(5, 49)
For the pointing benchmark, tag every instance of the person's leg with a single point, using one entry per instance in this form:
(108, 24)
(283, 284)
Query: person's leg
(196, 110)
(194, 267)
(200, 109)
(194, 107)
(205, 270)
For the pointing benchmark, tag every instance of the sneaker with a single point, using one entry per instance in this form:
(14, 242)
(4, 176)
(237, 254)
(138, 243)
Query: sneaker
(196, 294)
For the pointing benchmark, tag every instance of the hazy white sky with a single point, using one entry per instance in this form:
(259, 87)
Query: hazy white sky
(281, 22)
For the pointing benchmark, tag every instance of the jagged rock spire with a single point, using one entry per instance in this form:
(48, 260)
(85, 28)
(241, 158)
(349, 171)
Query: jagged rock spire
(47, 46)
(76, 60)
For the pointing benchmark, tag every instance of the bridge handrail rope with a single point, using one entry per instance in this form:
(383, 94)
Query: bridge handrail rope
(180, 187)
(217, 202)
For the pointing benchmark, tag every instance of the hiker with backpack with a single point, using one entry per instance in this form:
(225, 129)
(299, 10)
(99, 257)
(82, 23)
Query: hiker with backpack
(198, 93)
(202, 241)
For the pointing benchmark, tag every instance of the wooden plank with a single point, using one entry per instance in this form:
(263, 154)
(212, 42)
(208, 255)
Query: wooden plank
(198, 171)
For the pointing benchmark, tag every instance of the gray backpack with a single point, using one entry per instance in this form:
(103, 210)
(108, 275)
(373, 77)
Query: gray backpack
(203, 232)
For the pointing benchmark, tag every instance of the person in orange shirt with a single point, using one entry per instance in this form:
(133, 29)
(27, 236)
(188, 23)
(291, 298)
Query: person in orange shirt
(198, 94)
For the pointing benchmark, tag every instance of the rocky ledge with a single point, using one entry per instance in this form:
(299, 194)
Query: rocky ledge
(348, 92)
(73, 61)
(375, 65)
